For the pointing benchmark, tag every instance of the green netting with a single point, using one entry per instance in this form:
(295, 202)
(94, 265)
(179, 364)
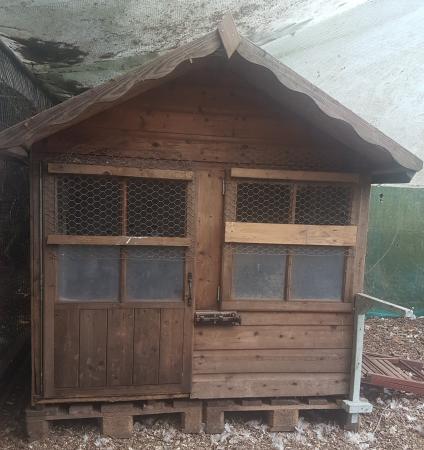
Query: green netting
(395, 255)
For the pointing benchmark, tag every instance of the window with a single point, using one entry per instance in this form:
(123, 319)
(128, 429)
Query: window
(279, 272)
(88, 272)
(317, 273)
(113, 208)
(276, 267)
(155, 273)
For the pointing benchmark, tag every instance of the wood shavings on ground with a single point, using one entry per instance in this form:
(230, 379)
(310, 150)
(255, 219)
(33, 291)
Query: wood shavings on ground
(397, 421)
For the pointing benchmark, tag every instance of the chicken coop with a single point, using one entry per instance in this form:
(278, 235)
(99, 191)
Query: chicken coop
(198, 236)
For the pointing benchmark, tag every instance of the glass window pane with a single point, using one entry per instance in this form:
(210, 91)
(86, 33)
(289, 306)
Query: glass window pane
(88, 273)
(318, 275)
(258, 276)
(155, 273)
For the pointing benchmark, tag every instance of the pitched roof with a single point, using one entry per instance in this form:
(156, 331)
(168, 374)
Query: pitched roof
(394, 163)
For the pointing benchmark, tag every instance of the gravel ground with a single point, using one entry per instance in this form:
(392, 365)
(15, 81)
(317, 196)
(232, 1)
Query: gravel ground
(397, 421)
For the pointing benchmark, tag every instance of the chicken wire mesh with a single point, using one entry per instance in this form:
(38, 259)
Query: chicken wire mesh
(14, 258)
(110, 206)
(157, 208)
(323, 205)
(263, 202)
(93, 205)
(89, 205)
(275, 249)
(20, 96)
(283, 202)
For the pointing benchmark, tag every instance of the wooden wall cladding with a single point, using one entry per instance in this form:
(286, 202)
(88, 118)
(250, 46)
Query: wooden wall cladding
(206, 118)
(274, 354)
(117, 347)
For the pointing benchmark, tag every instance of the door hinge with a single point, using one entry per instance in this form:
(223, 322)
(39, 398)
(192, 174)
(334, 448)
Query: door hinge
(223, 186)
(218, 294)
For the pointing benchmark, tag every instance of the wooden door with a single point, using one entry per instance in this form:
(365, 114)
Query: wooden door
(118, 281)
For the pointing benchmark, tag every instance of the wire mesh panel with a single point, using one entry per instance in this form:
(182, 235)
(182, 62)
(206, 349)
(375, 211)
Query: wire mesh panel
(282, 202)
(14, 259)
(157, 208)
(323, 205)
(263, 202)
(88, 205)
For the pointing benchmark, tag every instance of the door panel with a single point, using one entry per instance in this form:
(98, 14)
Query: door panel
(137, 340)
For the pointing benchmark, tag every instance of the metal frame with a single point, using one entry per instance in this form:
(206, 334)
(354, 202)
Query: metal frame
(356, 405)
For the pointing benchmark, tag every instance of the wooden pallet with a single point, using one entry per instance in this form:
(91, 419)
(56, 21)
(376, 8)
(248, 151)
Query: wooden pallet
(393, 373)
(116, 419)
(282, 414)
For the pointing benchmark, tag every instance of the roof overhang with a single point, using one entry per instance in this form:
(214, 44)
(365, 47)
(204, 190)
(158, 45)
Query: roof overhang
(394, 163)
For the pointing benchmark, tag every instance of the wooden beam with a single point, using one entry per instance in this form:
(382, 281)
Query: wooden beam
(229, 35)
(84, 169)
(296, 175)
(62, 239)
(290, 234)
(315, 306)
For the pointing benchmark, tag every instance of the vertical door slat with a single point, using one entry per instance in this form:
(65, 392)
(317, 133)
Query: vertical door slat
(171, 346)
(120, 347)
(146, 346)
(93, 341)
(66, 348)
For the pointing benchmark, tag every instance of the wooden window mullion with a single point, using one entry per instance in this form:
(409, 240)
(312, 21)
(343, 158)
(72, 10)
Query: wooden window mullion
(123, 252)
(289, 258)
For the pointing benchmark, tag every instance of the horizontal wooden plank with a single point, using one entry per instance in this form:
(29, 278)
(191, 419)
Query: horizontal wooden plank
(279, 360)
(269, 385)
(295, 318)
(140, 304)
(88, 169)
(58, 239)
(200, 124)
(270, 337)
(290, 234)
(279, 305)
(295, 175)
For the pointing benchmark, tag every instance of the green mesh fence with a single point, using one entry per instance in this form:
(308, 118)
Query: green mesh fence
(395, 255)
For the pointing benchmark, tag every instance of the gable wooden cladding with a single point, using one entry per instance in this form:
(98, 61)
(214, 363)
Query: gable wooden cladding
(206, 117)
(274, 354)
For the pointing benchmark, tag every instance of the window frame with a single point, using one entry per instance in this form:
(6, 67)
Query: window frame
(53, 240)
(295, 178)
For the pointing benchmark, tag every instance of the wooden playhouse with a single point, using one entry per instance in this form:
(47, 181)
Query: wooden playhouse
(198, 236)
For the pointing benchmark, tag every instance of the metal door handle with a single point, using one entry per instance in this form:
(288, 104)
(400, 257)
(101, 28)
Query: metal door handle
(190, 288)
